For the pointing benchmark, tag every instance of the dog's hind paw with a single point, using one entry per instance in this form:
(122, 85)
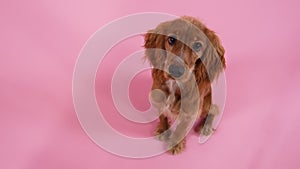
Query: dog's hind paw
(162, 135)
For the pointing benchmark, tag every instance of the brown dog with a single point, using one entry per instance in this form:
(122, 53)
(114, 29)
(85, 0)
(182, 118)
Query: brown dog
(186, 57)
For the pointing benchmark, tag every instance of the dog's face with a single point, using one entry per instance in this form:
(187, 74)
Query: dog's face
(183, 46)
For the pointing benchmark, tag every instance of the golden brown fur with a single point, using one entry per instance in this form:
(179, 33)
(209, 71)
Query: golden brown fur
(201, 66)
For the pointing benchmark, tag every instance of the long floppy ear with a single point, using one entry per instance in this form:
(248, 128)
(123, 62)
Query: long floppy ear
(155, 48)
(212, 62)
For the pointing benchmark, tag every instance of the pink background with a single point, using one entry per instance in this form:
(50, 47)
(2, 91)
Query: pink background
(40, 41)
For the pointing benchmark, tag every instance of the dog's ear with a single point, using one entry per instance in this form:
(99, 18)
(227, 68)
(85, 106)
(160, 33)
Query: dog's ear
(212, 62)
(155, 48)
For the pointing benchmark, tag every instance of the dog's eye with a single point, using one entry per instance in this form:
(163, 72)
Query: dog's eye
(172, 40)
(197, 46)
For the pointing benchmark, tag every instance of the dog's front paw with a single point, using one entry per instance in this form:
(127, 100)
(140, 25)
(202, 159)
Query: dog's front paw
(157, 97)
(207, 127)
(176, 148)
(207, 130)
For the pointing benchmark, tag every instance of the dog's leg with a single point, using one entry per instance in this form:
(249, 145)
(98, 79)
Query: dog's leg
(189, 106)
(207, 127)
(161, 131)
(158, 99)
(209, 111)
(176, 143)
(207, 102)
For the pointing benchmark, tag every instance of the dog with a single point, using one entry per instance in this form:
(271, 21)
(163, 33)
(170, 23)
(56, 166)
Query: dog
(186, 57)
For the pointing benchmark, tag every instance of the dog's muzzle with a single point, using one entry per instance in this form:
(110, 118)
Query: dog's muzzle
(176, 70)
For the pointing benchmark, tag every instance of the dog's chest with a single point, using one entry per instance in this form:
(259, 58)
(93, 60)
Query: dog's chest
(171, 99)
(172, 86)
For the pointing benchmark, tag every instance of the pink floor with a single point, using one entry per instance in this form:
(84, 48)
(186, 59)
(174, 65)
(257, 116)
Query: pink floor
(40, 42)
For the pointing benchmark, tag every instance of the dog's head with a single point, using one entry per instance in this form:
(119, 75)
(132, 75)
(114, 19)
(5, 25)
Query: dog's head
(184, 46)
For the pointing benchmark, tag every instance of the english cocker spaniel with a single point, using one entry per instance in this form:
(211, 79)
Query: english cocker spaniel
(185, 57)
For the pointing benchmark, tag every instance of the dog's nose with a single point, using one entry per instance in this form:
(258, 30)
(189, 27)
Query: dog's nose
(176, 71)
